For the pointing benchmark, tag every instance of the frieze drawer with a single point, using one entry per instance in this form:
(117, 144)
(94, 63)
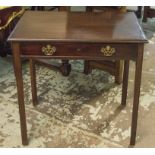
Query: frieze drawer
(81, 50)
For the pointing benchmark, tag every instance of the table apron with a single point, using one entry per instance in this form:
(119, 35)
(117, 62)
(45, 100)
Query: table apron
(87, 51)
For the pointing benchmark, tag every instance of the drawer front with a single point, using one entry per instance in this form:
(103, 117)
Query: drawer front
(79, 50)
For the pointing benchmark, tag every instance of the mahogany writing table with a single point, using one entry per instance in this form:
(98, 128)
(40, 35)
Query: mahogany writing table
(87, 36)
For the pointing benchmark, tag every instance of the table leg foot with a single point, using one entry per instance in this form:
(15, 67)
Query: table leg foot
(25, 142)
(132, 142)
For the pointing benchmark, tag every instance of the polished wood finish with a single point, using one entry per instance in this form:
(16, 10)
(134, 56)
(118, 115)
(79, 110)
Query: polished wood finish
(118, 71)
(33, 82)
(114, 68)
(19, 82)
(125, 82)
(116, 37)
(138, 72)
(78, 27)
(78, 50)
(64, 68)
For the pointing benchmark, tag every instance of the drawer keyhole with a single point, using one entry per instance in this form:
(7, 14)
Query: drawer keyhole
(78, 49)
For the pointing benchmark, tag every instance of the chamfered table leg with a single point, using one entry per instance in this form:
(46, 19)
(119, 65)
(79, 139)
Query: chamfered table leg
(33, 81)
(138, 72)
(118, 71)
(20, 91)
(125, 82)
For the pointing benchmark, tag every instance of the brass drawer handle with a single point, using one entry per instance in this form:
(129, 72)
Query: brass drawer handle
(107, 51)
(49, 50)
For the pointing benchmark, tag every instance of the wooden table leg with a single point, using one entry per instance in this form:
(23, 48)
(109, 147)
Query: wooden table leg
(20, 92)
(138, 72)
(87, 68)
(125, 82)
(118, 71)
(33, 82)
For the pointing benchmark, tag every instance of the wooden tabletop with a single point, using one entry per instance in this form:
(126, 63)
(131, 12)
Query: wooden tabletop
(78, 27)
